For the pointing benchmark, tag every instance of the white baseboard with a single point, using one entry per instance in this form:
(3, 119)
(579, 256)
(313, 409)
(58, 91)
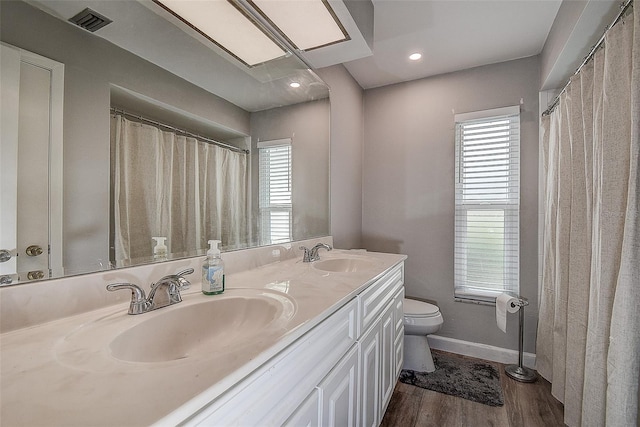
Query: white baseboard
(481, 351)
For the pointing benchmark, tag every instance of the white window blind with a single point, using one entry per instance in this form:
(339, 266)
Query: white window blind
(487, 201)
(275, 191)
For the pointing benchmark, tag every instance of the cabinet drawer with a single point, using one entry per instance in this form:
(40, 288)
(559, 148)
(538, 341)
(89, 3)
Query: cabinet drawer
(374, 299)
(274, 391)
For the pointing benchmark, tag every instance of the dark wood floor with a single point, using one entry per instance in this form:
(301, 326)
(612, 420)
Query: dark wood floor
(529, 405)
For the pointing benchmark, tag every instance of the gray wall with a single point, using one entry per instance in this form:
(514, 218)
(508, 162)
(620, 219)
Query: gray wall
(308, 125)
(347, 136)
(91, 66)
(568, 14)
(408, 189)
(577, 26)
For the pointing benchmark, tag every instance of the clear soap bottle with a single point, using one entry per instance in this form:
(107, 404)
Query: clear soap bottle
(213, 270)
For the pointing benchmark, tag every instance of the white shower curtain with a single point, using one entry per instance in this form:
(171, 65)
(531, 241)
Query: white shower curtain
(588, 343)
(174, 186)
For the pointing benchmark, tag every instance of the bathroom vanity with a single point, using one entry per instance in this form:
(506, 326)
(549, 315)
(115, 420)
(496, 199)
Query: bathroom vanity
(288, 343)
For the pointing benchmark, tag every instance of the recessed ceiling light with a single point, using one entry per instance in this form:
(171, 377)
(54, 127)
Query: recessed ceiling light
(294, 84)
(415, 56)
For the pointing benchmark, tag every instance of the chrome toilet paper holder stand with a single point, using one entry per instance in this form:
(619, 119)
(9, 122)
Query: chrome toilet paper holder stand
(519, 372)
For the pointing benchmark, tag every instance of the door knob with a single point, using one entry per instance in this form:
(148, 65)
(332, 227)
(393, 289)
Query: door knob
(34, 250)
(35, 275)
(5, 255)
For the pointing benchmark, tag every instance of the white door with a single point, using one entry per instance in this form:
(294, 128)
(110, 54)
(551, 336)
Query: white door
(31, 135)
(9, 99)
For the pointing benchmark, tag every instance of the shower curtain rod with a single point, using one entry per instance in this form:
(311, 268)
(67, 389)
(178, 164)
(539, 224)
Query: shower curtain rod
(623, 8)
(182, 131)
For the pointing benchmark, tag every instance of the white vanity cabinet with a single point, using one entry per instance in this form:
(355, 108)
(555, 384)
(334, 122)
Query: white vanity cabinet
(380, 345)
(341, 373)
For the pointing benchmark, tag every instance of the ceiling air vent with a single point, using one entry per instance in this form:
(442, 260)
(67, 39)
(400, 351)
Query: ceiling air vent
(90, 20)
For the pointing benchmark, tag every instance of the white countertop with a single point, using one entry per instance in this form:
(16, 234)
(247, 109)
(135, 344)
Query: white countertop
(47, 379)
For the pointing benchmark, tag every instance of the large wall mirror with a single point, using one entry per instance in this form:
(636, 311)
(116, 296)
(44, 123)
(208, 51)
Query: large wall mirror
(145, 134)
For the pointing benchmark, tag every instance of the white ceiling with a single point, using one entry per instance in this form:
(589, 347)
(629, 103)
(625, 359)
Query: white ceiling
(451, 35)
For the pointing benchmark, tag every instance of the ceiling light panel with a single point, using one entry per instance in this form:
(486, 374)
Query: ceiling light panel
(222, 23)
(307, 24)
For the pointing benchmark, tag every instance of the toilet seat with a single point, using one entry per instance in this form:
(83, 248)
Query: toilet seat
(414, 308)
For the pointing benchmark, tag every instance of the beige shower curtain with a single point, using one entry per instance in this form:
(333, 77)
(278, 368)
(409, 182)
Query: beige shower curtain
(177, 187)
(588, 343)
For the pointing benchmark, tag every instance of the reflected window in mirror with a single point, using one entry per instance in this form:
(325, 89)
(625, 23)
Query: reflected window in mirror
(276, 204)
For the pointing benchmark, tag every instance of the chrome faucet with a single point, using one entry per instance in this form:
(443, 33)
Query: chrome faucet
(311, 255)
(164, 292)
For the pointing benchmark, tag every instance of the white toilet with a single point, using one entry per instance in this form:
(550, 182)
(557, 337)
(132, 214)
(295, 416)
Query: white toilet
(420, 319)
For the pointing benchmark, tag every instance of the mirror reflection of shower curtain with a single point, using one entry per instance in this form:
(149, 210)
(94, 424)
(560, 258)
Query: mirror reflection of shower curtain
(177, 187)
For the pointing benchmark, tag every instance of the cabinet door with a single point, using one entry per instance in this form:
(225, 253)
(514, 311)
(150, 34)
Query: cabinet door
(308, 413)
(339, 393)
(387, 361)
(370, 377)
(399, 354)
(399, 339)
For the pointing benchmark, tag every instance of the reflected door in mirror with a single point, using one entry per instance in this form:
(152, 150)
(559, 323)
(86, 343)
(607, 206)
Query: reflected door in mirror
(30, 97)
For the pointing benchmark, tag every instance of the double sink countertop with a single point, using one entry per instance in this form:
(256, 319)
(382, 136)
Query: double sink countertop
(89, 369)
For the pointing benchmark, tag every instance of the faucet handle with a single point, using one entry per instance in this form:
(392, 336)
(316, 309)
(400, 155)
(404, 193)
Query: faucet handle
(307, 254)
(183, 283)
(185, 272)
(138, 299)
(137, 294)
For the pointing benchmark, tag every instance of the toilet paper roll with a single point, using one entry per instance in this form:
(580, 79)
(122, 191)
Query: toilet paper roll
(505, 303)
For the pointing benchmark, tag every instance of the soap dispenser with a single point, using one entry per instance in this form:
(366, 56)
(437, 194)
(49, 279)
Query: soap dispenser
(160, 249)
(213, 270)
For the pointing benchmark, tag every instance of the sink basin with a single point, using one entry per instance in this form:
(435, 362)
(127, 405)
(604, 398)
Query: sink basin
(197, 327)
(343, 265)
(214, 325)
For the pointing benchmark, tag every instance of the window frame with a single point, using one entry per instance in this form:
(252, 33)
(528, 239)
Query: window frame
(266, 208)
(498, 191)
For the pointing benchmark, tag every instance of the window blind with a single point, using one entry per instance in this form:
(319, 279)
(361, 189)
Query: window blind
(487, 204)
(275, 191)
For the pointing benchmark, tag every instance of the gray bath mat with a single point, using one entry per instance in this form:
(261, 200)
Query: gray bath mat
(458, 376)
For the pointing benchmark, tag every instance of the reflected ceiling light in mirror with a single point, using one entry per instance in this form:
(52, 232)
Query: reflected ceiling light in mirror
(306, 24)
(415, 56)
(294, 85)
(228, 27)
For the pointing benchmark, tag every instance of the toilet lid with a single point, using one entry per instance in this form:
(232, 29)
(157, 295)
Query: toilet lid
(419, 309)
